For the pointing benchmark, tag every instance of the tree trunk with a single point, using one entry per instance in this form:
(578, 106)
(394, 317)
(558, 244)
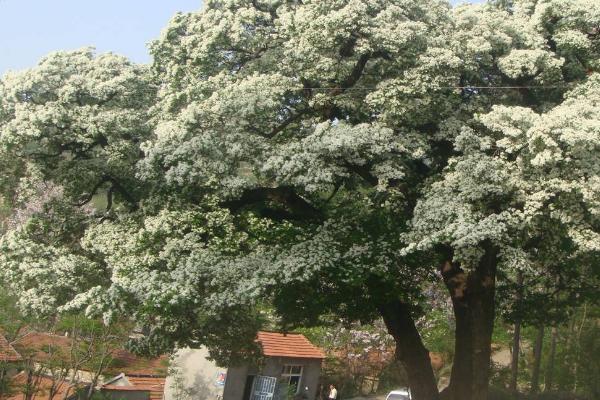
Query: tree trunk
(472, 295)
(578, 351)
(537, 360)
(3, 380)
(514, 364)
(550, 371)
(410, 350)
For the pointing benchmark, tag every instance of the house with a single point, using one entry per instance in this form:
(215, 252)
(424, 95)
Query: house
(136, 377)
(123, 387)
(43, 386)
(126, 377)
(291, 365)
(9, 359)
(8, 354)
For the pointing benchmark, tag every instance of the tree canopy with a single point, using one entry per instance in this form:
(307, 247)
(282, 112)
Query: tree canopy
(311, 158)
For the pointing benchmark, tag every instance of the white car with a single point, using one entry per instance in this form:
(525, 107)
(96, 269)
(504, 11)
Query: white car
(402, 394)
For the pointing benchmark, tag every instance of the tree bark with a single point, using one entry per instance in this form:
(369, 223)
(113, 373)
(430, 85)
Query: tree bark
(514, 364)
(550, 371)
(3, 380)
(578, 351)
(472, 295)
(537, 360)
(410, 350)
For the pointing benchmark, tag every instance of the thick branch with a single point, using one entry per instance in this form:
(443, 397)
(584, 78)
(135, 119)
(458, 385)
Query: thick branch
(357, 71)
(363, 172)
(271, 11)
(46, 155)
(349, 82)
(410, 349)
(335, 191)
(116, 185)
(109, 199)
(347, 50)
(92, 192)
(294, 206)
(291, 119)
(455, 279)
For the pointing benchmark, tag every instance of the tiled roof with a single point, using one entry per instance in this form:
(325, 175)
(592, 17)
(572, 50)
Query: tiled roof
(37, 345)
(123, 388)
(130, 364)
(43, 346)
(288, 345)
(7, 352)
(156, 385)
(45, 383)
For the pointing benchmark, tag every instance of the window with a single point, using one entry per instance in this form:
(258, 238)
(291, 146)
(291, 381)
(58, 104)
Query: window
(292, 375)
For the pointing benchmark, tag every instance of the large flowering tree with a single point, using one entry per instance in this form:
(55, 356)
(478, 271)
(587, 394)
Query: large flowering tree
(70, 131)
(313, 158)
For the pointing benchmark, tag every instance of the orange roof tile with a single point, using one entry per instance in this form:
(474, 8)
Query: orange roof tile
(124, 388)
(156, 385)
(37, 345)
(130, 364)
(288, 345)
(45, 383)
(43, 346)
(7, 351)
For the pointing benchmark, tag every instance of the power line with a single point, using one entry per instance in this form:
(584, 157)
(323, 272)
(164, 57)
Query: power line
(374, 88)
(440, 87)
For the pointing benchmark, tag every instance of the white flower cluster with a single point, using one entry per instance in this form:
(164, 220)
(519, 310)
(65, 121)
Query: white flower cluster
(316, 145)
(520, 169)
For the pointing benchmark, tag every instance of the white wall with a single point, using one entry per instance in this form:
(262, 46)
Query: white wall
(198, 376)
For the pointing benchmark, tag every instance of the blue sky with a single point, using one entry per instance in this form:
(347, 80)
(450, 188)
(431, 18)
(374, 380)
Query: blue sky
(29, 29)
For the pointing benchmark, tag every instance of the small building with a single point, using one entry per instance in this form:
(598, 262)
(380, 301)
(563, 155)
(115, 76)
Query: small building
(41, 386)
(126, 377)
(8, 354)
(15, 380)
(123, 387)
(8, 358)
(291, 367)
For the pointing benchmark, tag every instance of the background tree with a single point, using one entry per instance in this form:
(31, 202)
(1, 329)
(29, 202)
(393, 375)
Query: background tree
(356, 355)
(83, 125)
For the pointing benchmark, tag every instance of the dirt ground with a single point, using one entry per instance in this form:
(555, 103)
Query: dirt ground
(375, 397)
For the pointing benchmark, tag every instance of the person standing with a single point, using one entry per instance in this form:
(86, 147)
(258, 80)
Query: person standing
(332, 393)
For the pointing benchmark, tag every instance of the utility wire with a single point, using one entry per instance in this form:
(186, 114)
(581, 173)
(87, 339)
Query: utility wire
(374, 88)
(440, 87)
